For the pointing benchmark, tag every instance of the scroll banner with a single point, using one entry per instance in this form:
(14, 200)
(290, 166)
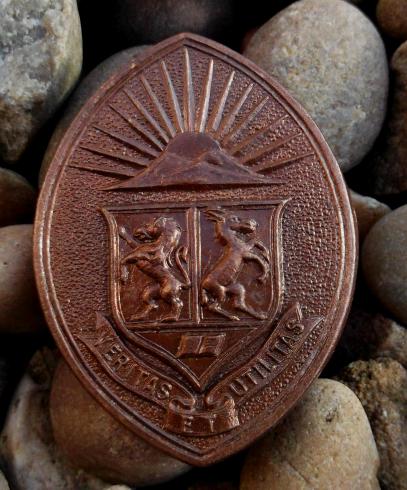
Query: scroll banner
(288, 338)
(183, 417)
(199, 415)
(122, 366)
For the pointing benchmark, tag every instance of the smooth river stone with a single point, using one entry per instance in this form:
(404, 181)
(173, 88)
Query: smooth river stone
(384, 262)
(40, 61)
(88, 86)
(19, 306)
(392, 18)
(381, 386)
(331, 58)
(368, 210)
(324, 442)
(17, 199)
(388, 171)
(93, 440)
(33, 460)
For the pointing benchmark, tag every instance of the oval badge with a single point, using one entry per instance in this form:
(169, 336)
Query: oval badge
(195, 249)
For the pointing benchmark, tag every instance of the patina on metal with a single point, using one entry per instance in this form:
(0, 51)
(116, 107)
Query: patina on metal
(195, 249)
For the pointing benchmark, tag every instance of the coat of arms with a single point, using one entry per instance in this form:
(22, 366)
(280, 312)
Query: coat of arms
(195, 281)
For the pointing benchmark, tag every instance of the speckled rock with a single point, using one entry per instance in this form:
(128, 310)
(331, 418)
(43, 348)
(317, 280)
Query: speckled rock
(388, 172)
(381, 386)
(93, 440)
(40, 61)
(17, 199)
(392, 18)
(332, 60)
(19, 305)
(33, 461)
(368, 210)
(3, 482)
(324, 442)
(370, 335)
(384, 262)
(83, 92)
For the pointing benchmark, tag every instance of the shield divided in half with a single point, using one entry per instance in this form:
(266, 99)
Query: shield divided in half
(182, 279)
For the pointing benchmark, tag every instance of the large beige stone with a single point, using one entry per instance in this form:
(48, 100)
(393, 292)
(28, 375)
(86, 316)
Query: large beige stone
(93, 440)
(331, 58)
(325, 442)
(27, 446)
(381, 386)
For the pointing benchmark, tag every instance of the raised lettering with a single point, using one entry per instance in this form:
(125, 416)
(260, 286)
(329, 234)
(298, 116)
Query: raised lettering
(238, 387)
(163, 390)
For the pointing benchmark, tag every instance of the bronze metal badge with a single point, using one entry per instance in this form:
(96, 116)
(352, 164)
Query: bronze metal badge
(195, 249)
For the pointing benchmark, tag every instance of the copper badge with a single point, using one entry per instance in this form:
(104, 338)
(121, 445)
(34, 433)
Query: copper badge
(195, 249)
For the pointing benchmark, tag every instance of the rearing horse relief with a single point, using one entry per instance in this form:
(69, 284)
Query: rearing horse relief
(240, 245)
(155, 247)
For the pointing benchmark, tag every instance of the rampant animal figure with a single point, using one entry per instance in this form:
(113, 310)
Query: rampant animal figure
(155, 246)
(241, 244)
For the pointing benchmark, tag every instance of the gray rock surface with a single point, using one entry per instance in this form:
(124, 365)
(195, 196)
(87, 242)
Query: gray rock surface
(19, 306)
(93, 440)
(368, 210)
(388, 171)
(384, 262)
(17, 199)
(392, 18)
(33, 460)
(83, 92)
(325, 442)
(40, 61)
(381, 386)
(331, 58)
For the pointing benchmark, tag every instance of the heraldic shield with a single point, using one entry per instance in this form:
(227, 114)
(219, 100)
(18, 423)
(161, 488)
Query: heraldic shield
(189, 299)
(194, 249)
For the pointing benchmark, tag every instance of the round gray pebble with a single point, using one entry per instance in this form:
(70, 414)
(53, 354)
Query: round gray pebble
(331, 58)
(384, 261)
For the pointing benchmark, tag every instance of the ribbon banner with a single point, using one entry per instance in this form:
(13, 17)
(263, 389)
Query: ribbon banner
(286, 341)
(183, 417)
(200, 415)
(125, 368)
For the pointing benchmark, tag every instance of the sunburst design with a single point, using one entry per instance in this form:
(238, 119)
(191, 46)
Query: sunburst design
(229, 144)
